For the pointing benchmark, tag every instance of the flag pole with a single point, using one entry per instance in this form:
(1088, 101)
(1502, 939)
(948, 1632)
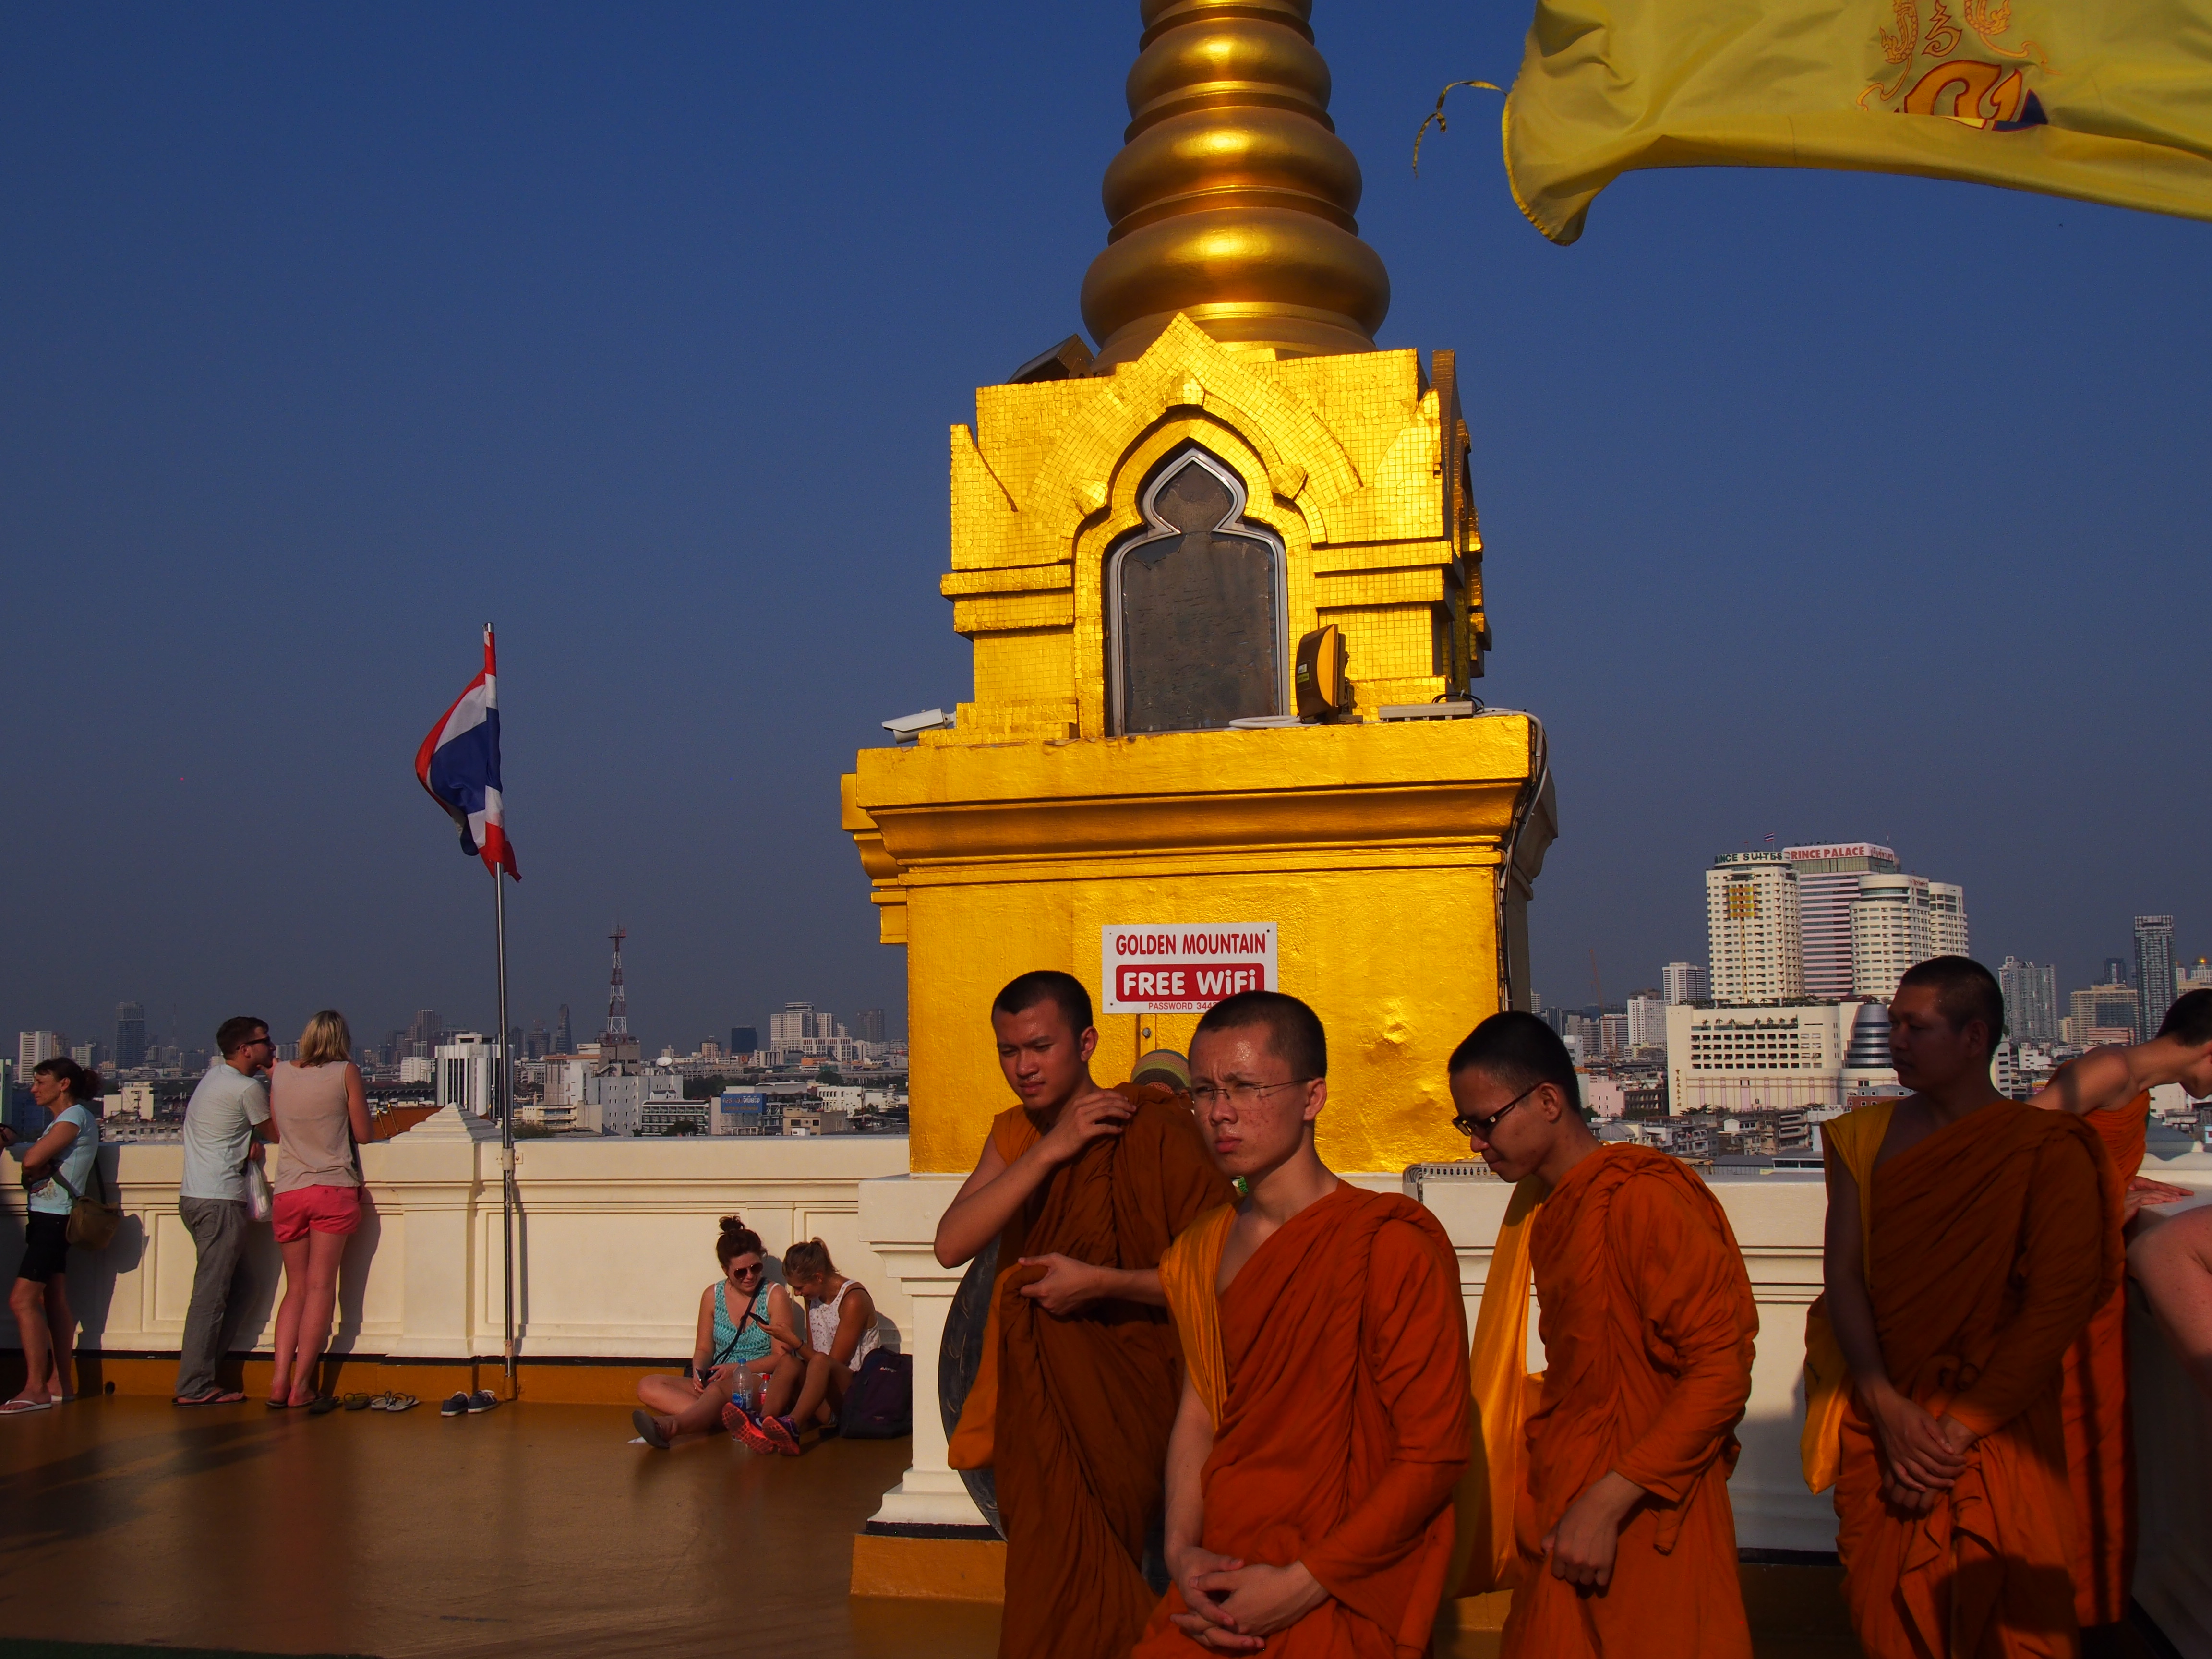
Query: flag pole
(505, 1072)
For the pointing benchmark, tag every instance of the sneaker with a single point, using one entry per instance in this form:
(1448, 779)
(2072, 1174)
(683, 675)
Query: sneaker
(747, 1428)
(482, 1400)
(780, 1434)
(455, 1407)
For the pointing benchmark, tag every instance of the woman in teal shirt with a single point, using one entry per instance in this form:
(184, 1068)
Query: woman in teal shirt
(746, 1324)
(40, 1299)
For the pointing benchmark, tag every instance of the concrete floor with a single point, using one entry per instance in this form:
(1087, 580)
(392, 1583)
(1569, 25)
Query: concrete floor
(534, 1526)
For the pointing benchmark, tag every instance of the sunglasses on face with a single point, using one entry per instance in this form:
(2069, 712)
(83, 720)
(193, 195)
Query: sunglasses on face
(1483, 1125)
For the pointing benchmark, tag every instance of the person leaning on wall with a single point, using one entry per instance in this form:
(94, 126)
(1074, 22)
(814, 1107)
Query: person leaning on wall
(225, 1126)
(58, 1168)
(320, 1113)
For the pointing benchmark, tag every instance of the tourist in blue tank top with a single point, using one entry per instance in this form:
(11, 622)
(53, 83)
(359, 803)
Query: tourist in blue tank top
(744, 1324)
(58, 1169)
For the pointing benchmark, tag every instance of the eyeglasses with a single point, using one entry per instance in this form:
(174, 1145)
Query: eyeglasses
(1483, 1125)
(1205, 1095)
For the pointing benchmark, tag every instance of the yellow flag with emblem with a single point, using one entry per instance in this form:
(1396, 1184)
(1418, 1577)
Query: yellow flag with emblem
(2106, 101)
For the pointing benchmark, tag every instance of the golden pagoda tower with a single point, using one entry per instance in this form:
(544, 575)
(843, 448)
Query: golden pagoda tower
(1162, 555)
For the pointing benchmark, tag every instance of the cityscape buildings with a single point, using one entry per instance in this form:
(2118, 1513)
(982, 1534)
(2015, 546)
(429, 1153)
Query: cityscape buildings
(1685, 981)
(130, 1035)
(1647, 1020)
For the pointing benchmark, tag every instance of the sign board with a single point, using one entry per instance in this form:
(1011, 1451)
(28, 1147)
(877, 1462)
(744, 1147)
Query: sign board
(1184, 966)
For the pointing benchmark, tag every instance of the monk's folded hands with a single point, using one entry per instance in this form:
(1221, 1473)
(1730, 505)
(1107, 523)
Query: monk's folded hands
(1201, 1576)
(1922, 1461)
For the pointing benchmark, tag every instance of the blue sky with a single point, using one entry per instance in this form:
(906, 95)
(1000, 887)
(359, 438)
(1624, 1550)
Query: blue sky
(1821, 505)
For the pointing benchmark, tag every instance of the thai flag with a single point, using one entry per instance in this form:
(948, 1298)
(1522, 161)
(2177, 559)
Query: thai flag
(458, 764)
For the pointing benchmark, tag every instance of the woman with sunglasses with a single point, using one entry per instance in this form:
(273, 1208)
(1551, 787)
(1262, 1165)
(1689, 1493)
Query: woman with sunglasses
(745, 1323)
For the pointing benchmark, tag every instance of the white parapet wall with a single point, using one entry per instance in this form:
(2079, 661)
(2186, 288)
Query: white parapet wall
(615, 1239)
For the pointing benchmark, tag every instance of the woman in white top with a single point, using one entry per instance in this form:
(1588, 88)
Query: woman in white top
(807, 1388)
(320, 1112)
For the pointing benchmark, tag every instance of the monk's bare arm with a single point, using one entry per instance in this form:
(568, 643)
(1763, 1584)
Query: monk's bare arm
(2061, 1262)
(996, 1191)
(2172, 1261)
(2098, 1081)
(1193, 1567)
(1919, 1459)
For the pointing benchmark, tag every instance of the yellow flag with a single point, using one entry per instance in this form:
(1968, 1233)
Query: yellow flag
(2108, 101)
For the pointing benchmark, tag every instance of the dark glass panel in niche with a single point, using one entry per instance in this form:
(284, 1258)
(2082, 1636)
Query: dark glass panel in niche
(1200, 642)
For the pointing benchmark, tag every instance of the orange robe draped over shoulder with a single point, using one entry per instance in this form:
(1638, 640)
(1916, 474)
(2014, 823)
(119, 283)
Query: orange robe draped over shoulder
(2100, 1448)
(1990, 1245)
(1648, 1322)
(1083, 1403)
(1343, 1426)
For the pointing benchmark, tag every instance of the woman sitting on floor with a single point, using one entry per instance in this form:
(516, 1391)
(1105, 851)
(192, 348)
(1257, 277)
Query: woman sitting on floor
(732, 1346)
(808, 1385)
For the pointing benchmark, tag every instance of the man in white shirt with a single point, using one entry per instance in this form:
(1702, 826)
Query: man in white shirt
(228, 1110)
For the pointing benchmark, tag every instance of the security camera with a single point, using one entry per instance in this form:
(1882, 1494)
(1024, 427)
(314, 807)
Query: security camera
(907, 727)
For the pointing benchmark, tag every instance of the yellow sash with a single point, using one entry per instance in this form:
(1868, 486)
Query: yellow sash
(974, 1440)
(1855, 1138)
(1483, 1555)
(1189, 1273)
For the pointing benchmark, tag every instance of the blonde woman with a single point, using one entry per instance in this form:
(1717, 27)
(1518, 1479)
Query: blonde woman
(319, 1113)
(806, 1388)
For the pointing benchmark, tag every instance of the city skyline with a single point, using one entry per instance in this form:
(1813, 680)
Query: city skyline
(583, 342)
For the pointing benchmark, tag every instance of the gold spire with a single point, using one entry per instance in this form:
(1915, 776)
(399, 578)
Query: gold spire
(1232, 198)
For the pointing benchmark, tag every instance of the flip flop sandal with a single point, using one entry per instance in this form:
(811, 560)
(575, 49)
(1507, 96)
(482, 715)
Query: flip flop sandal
(648, 1429)
(401, 1402)
(218, 1398)
(355, 1402)
(323, 1404)
(25, 1408)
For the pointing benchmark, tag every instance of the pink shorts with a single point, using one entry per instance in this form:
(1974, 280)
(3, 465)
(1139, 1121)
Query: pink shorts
(315, 1209)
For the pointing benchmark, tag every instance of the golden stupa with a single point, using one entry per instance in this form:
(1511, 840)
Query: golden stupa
(1148, 545)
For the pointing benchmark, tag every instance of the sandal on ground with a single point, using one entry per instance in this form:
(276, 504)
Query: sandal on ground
(648, 1429)
(25, 1408)
(355, 1402)
(213, 1397)
(323, 1404)
(400, 1402)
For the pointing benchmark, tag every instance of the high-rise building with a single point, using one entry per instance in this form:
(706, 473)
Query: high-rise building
(1685, 981)
(2031, 995)
(745, 1039)
(130, 1035)
(423, 1033)
(466, 1073)
(1751, 924)
(616, 1042)
(2155, 975)
(1890, 932)
(1612, 1034)
(2114, 972)
(1947, 920)
(31, 1047)
(1647, 1020)
(1827, 886)
(2095, 1013)
(872, 1025)
(564, 1036)
(2197, 976)
(799, 1022)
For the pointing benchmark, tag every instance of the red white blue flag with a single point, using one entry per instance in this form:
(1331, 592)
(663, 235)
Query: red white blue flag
(458, 764)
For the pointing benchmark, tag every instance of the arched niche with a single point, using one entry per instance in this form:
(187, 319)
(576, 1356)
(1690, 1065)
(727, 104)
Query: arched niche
(1194, 605)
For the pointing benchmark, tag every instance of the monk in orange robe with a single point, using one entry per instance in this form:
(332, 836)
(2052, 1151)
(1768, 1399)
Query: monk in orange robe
(1324, 1420)
(1084, 1188)
(1987, 1242)
(1625, 1539)
(2109, 1089)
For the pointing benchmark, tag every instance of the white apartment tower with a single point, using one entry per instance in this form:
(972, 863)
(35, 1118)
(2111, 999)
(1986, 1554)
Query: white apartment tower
(1685, 982)
(1751, 925)
(1899, 920)
(1827, 886)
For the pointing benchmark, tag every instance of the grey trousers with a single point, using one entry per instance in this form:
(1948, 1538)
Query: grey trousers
(218, 1227)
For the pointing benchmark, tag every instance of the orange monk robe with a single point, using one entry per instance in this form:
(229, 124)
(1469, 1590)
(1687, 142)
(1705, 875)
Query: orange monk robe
(1073, 1417)
(1990, 1244)
(2101, 1452)
(1648, 1320)
(1342, 1425)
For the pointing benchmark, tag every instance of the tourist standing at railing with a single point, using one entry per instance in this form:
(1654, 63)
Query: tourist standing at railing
(56, 1167)
(224, 1127)
(745, 1325)
(808, 1387)
(320, 1113)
